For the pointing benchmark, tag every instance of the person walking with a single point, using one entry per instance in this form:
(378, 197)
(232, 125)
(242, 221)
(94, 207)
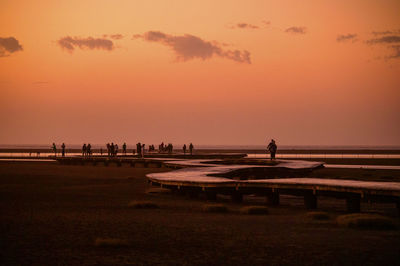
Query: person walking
(124, 149)
(272, 148)
(184, 149)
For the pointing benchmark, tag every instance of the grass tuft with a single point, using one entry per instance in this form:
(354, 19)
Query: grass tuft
(255, 210)
(215, 208)
(318, 215)
(111, 242)
(366, 221)
(143, 205)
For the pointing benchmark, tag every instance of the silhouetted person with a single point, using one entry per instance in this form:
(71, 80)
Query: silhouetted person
(184, 148)
(191, 148)
(116, 150)
(84, 150)
(63, 150)
(124, 149)
(143, 150)
(139, 149)
(54, 149)
(89, 150)
(108, 149)
(272, 148)
(112, 149)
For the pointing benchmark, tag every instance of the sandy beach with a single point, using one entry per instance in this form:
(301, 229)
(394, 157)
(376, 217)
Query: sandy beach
(52, 214)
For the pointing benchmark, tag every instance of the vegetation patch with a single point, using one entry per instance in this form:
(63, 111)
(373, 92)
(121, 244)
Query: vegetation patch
(318, 215)
(366, 221)
(143, 205)
(216, 208)
(255, 210)
(111, 242)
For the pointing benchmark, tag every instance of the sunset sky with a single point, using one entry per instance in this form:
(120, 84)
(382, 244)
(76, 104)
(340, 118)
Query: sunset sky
(208, 72)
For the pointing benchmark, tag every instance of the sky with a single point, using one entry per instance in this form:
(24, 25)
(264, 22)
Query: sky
(210, 72)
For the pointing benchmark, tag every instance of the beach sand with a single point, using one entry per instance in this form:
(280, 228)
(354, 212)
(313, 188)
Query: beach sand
(52, 214)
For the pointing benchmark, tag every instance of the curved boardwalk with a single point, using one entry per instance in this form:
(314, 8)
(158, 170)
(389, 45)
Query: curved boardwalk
(199, 176)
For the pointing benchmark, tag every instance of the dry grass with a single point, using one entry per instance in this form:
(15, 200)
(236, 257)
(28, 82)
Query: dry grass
(255, 210)
(366, 221)
(143, 205)
(111, 242)
(215, 208)
(318, 215)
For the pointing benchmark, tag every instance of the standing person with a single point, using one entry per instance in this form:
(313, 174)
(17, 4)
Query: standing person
(116, 150)
(143, 150)
(124, 148)
(112, 149)
(108, 149)
(84, 150)
(89, 150)
(272, 148)
(184, 149)
(63, 150)
(191, 148)
(54, 148)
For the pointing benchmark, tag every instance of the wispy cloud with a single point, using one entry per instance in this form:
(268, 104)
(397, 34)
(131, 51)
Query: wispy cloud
(114, 36)
(385, 32)
(8, 46)
(244, 25)
(70, 43)
(188, 47)
(396, 52)
(346, 37)
(296, 30)
(384, 40)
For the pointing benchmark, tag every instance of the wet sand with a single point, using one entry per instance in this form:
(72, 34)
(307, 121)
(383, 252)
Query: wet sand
(52, 214)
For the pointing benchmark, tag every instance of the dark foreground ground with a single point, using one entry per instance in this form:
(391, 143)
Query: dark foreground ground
(52, 214)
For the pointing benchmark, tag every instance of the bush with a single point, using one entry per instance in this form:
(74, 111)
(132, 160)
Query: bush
(215, 208)
(366, 221)
(318, 215)
(255, 210)
(111, 242)
(143, 205)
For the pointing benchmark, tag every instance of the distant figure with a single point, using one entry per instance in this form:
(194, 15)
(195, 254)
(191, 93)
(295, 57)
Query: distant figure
(63, 150)
(143, 150)
(108, 149)
(84, 150)
(116, 150)
(124, 149)
(184, 149)
(139, 149)
(112, 149)
(191, 148)
(89, 150)
(54, 148)
(272, 147)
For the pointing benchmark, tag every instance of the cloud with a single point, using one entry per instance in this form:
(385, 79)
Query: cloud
(70, 43)
(188, 47)
(266, 22)
(384, 40)
(346, 37)
(114, 36)
(8, 46)
(296, 30)
(396, 53)
(246, 26)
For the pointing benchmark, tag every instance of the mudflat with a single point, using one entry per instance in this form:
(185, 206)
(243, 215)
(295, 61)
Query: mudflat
(56, 214)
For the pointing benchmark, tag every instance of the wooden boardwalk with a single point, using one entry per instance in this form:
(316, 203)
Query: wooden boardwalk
(198, 176)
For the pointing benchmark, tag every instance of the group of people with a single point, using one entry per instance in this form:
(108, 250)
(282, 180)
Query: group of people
(87, 150)
(190, 149)
(162, 148)
(54, 148)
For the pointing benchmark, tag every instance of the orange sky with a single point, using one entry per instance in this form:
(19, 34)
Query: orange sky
(301, 84)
